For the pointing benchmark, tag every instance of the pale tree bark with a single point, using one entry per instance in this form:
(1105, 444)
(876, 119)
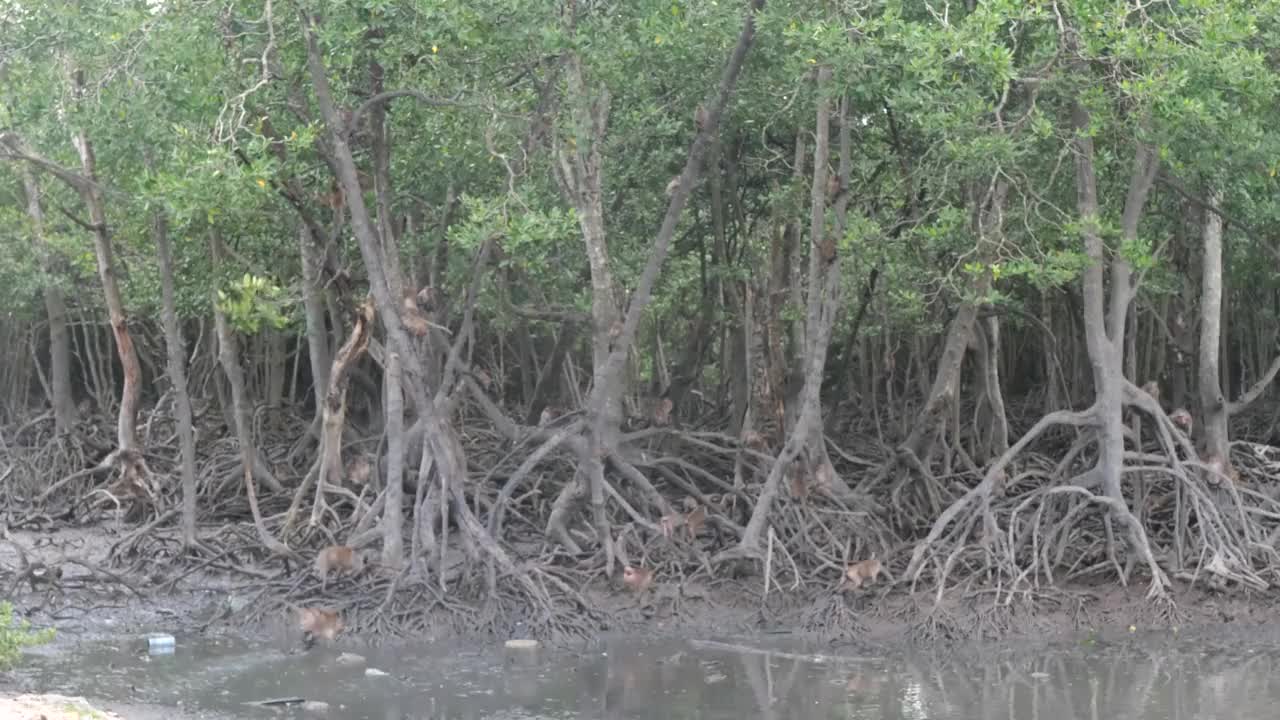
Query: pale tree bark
(1213, 404)
(61, 397)
(1104, 337)
(992, 422)
(1215, 410)
(606, 393)
(326, 472)
(91, 195)
(392, 518)
(380, 149)
(229, 358)
(821, 304)
(128, 457)
(442, 443)
(580, 176)
(175, 357)
(319, 351)
(946, 380)
(1105, 329)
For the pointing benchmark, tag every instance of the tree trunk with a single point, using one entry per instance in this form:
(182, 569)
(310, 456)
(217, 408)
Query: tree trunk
(1105, 331)
(1213, 404)
(176, 364)
(380, 144)
(319, 350)
(229, 358)
(579, 174)
(608, 389)
(442, 442)
(821, 303)
(989, 208)
(91, 195)
(60, 395)
(392, 542)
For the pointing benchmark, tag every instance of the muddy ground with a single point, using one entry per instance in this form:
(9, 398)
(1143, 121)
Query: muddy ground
(85, 605)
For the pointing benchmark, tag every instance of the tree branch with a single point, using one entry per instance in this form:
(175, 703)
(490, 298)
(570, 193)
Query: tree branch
(1256, 391)
(386, 97)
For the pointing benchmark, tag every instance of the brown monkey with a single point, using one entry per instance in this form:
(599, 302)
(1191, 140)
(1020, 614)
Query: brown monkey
(337, 558)
(637, 579)
(319, 622)
(669, 522)
(694, 520)
(359, 471)
(860, 572)
(701, 117)
(662, 412)
(415, 321)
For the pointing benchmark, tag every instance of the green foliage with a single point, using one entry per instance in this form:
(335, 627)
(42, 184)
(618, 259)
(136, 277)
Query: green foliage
(253, 301)
(944, 101)
(16, 634)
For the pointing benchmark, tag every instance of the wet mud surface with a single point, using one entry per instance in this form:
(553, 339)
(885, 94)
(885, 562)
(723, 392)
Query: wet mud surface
(722, 655)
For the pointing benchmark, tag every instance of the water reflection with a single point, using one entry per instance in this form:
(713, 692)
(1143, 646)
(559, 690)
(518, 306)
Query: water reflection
(1135, 680)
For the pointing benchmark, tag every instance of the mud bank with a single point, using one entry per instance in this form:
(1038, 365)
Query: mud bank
(51, 706)
(85, 606)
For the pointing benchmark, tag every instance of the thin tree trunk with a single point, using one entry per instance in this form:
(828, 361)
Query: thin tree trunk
(176, 364)
(1105, 331)
(381, 151)
(229, 357)
(822, 301)
(946, 380)
(392, 542)
(1213, 404)
(91, 194)
(442, 441)
(60, 395)
(579, 173)
(318, 347)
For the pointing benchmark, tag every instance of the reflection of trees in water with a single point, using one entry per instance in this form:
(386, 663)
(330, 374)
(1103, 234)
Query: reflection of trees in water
(1135, 684)
(1101, 684)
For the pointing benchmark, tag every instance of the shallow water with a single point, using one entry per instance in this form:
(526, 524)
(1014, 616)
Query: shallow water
(1133, 679)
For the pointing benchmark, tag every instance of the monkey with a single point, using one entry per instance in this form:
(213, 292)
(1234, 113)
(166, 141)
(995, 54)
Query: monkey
(549, 414)
(337, 558)
(429, 298)
(637, 579)
(415, 321)
(673, 186)
(669, 522)
(1219, 468)
(824, 477)
(799, 483)
(334, 199)
(662, 412)
(694, 520)
(827, 250)
(701, 117)
(860, 572)
(359, 471)
(318, 622)
(1182, 419)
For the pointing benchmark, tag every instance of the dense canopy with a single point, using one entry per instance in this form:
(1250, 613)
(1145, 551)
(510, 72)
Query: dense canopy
(984, 290)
